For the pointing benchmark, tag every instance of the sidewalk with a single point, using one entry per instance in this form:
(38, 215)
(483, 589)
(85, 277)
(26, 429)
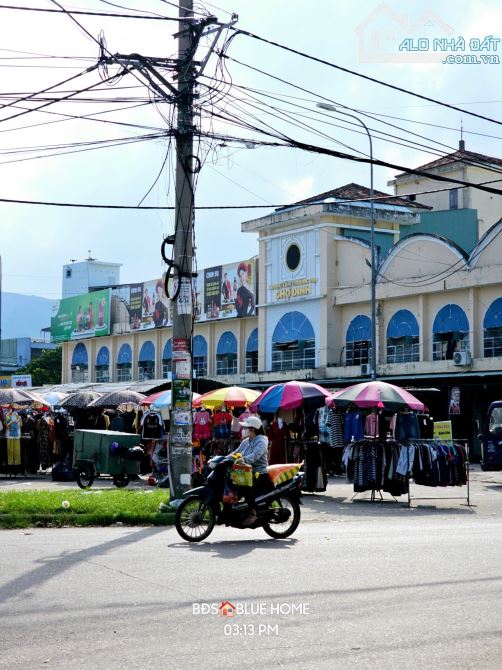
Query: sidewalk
(338, 504)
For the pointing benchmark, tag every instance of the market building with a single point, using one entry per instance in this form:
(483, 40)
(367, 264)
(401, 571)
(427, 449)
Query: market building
(304, 306)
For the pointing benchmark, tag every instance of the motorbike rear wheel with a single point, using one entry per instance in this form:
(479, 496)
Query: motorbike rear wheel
(194, 520)
(279, 527)
(85, 476)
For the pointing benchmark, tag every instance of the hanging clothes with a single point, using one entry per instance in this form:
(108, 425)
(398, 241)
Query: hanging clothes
(335, 422)
(353, 426)
(202, 425)
(277, 434)
(13, 423)
(322, 422)
(406, 427)
(222, 421)
(152, 426)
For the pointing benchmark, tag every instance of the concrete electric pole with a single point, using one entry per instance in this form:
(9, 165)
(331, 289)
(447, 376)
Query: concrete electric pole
(180, 442)
(180, 277)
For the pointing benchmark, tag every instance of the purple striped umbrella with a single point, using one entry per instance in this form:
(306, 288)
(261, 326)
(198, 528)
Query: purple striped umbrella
(289, 395)
(375, 394)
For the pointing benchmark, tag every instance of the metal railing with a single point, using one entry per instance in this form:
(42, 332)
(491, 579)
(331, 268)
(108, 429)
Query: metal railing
(293, 359)
(357, 353)
(441, 351)
(226, 366)
(492, 346)
(403, 353)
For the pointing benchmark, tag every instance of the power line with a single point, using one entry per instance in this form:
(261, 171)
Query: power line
(362, 76)
(88, 13)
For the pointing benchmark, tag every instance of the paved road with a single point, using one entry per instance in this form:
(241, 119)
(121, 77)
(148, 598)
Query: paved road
(419, 591)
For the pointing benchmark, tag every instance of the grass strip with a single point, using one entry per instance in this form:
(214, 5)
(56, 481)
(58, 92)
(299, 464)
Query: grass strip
(70, 507)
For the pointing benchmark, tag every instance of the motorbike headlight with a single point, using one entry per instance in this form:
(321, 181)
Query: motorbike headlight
(212, 464)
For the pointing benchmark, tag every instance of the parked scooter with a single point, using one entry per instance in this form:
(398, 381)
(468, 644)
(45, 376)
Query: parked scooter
(278, 511)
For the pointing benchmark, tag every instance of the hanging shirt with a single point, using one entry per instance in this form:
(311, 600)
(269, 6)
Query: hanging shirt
(13, 425)
(371, 425)
(151, 426)
(202, 425)
(406, 427)
(353, 427)
(322, 421)
(335, 423)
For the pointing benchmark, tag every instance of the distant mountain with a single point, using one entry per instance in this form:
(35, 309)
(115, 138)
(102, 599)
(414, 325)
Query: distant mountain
(24, 315)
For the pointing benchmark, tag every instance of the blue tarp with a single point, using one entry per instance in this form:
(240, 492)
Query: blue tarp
(103, 357)
(493, 316)
(403, 324)
(451, 319)
(79, 356)
(359, 329)
(147, 352)
(252, 344)
(227, 344)
(125, 355)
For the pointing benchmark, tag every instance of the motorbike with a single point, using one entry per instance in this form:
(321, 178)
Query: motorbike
(278, 510)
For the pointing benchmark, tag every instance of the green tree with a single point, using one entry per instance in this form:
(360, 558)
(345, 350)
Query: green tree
(46, 369)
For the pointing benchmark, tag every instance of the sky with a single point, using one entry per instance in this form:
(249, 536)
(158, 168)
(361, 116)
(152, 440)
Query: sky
(39, 50)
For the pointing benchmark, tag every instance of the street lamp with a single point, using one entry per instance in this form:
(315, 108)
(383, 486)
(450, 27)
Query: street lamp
(332, 108)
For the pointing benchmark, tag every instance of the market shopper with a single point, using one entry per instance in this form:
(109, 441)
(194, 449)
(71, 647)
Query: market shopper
(254, 450)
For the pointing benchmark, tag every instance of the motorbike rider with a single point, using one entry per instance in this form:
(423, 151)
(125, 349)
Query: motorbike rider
(254, 450)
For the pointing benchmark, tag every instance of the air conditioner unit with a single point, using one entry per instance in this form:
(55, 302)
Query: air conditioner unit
(462, 358)
(365, 369)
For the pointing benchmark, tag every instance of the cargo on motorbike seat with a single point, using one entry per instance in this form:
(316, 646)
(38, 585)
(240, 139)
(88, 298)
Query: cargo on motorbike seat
(282, 472)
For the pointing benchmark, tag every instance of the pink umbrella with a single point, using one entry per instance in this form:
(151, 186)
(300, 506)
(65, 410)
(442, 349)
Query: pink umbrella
(151, 398)
(375, 394)
(289, 395)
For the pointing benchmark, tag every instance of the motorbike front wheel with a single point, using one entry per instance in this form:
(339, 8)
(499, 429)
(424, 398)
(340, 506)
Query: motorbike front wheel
(194, 520)
(285, 518)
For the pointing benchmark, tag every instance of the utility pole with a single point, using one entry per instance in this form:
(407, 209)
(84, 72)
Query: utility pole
(179, 279)
(180, 442)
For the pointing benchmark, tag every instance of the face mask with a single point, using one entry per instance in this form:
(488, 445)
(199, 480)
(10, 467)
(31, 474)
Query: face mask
(245, 432)
(279, 423)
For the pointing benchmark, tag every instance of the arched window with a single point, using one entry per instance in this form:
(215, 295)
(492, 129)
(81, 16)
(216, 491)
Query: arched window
(124, 364)
(403, 338)
(226, 354)
(358, 341)
(103, 365)
(492, 330)
(167, 359)
(199, 356)
(146, 362)
(252, 352)
(293, 343)
(80, 364)
(450, 333)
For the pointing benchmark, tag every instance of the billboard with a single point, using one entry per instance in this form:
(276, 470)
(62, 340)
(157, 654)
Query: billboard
(140, 306)
(224, 291)
(81, 316)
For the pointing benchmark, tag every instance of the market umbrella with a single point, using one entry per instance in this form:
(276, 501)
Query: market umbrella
(163, 400)
(289, 395)
(151, 398)
(53, 397)
(231, 396)
(375, 394)
(116, 398)
(15, 397)
(80, 399)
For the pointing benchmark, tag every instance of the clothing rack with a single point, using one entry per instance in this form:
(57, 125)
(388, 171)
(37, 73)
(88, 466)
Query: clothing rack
(459, 442)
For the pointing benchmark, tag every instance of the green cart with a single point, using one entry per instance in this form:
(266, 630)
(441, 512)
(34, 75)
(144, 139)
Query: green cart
(109, 452)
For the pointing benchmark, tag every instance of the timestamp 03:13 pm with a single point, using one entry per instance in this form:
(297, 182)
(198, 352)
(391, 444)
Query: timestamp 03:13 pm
(251, 629)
